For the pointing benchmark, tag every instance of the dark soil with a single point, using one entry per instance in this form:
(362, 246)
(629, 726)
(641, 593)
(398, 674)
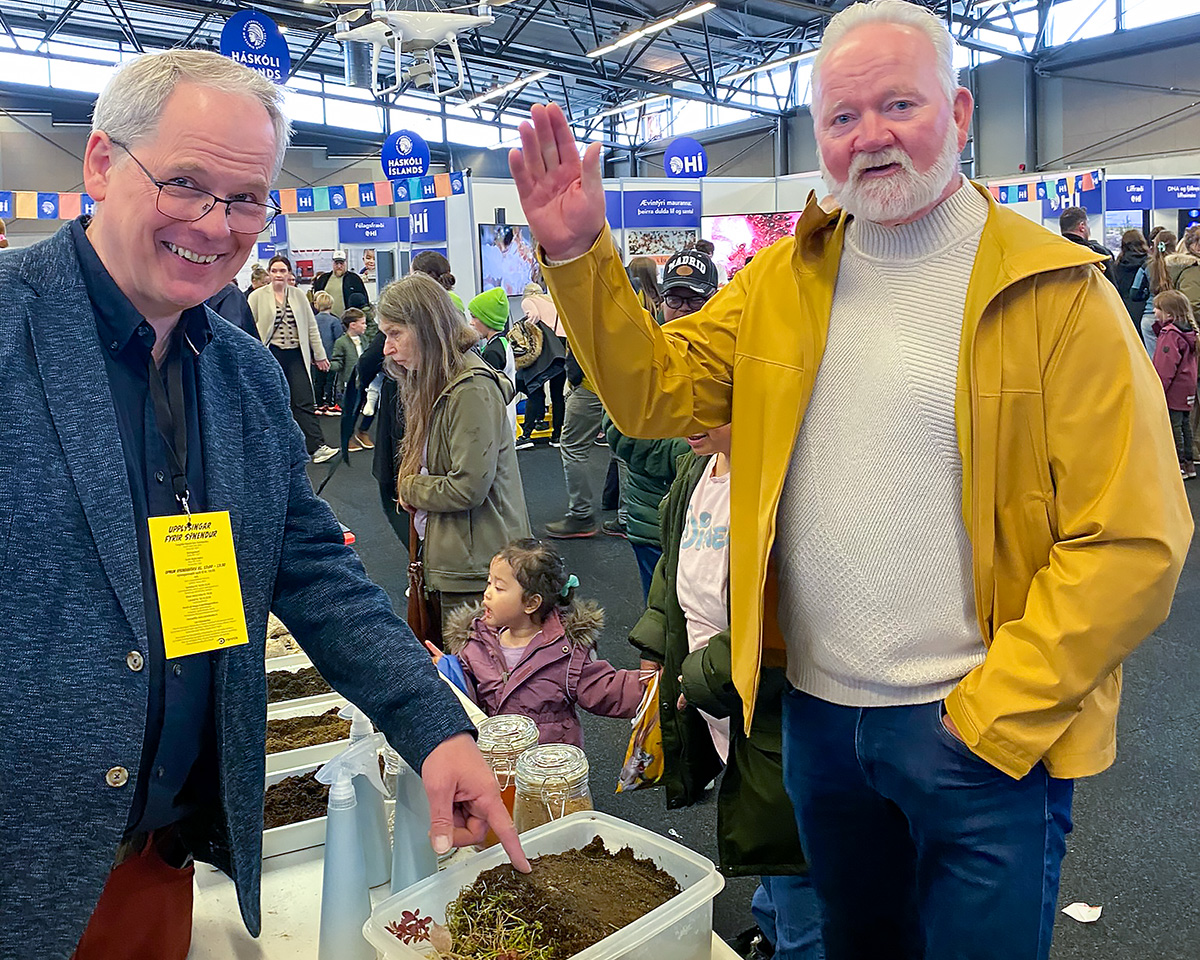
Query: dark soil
(291, 733)
(294, 799)
(286, 685)
(579, 897)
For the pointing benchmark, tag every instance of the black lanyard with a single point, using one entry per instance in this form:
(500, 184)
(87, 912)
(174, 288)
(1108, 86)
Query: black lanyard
(172, 420)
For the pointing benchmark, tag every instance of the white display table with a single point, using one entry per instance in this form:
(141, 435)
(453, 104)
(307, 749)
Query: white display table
(291, 909)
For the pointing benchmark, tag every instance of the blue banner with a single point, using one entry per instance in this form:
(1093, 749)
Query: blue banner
(428, 188)
(366, 195)
(279, 231)
(427, 222)
(6, 203)
(1091, 200)
(47, 206)
(86, 204)
(685, 157)
(337, 198)
(404, 154)
(253, 40)
(400, 191)
(1022, 193)
(267, 250)
(1176, 193)
(304, 200)
(1128, 193)
(661, 208)
(458, 184)
(402, 232)
(612, 208)
(367, 230)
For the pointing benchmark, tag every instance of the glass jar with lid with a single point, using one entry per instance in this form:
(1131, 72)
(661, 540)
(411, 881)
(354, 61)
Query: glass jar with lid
(502, 739)
(552, 781)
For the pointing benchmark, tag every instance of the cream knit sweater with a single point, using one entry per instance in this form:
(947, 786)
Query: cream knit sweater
(876, 599)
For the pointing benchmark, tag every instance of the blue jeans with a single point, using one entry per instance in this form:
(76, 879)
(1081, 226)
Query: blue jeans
(647, 556)
(918, 849)
(788, 913)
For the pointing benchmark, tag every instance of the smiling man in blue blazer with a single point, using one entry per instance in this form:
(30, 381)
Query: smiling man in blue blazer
(123, 399)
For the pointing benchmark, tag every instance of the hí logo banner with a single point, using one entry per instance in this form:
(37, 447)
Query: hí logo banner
(252, 39)
(405, 154)
(427, 222)
(644, 209)
(685, 157)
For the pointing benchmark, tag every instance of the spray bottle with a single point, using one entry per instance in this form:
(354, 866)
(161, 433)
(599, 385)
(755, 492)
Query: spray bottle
(372, 819)
(413, 857)
(345, 898)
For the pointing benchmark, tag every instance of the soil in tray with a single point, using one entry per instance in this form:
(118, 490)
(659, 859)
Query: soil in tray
(286, 685)
(294, 799)
(570, 901)
(291, 733)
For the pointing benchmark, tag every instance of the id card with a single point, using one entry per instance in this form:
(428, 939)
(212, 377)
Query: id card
(199, 596)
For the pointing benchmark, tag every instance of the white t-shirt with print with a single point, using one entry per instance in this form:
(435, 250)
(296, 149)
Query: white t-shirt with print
(702, 584)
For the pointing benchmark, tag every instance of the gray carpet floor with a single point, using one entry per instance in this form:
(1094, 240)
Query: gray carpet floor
(1135, 849)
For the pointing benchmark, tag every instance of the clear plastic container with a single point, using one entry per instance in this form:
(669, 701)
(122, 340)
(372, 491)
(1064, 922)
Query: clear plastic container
(552, 782)
(680, 929)
(502, 740)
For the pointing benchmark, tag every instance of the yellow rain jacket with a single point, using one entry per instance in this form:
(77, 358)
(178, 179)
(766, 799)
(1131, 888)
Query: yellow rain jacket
(1072, 496)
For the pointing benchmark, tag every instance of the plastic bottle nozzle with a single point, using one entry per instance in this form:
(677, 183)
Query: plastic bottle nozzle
(358, 758)
(360, 723)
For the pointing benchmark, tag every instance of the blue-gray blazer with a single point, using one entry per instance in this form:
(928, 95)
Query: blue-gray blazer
(71, 605)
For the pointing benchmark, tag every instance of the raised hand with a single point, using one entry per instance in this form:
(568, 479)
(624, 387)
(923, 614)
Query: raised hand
(562, 196)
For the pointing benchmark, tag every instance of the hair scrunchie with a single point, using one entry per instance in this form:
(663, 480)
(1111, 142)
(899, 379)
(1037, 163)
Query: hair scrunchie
(572, 581)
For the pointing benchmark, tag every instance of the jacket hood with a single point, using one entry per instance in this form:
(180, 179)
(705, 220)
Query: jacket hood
(478, 367)
(582, 624)
(1170, 326)
(1180, 260)
(1134, 258)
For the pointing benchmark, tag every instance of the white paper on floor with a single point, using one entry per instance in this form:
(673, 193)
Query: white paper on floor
(1082, 912)
(674, 834)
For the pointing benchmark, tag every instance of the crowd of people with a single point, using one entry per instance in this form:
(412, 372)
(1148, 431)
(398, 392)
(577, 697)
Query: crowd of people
(896, 676)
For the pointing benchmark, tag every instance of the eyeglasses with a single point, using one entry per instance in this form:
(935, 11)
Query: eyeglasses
(185, 203)
(676, 302)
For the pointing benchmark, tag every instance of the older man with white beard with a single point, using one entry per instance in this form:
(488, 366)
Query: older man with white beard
(953, 617)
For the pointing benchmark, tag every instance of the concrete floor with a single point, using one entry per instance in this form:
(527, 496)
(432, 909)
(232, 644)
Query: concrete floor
(1135, 849)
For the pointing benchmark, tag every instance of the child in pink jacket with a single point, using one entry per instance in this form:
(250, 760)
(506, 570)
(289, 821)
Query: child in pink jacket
(530, 648)
(1175, 361)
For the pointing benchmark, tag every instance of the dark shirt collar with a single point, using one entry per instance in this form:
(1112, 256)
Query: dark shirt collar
(117, 320)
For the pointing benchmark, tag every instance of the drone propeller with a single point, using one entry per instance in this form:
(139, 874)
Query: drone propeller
(344, 18)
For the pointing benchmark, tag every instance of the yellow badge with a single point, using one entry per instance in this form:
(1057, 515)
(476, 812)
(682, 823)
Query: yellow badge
(199, 596)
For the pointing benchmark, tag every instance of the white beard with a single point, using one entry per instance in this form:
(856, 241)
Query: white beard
(899, 196)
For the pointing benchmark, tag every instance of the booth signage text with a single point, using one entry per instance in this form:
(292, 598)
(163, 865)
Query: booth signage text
(253, 40)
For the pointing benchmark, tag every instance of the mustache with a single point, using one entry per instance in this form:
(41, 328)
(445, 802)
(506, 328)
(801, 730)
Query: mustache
(880, 158)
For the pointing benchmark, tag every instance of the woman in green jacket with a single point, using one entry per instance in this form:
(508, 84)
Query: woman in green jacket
(686, 629)
(458, 474)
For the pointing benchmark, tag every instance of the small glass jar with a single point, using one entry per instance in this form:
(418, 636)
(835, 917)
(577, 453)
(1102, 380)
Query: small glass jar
(502, 740)
(552, 781)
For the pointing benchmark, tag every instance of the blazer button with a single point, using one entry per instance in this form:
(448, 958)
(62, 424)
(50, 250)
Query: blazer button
(117, 777)
(134, 661)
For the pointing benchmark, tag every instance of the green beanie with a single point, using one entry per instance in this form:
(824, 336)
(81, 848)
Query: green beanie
(490, 308)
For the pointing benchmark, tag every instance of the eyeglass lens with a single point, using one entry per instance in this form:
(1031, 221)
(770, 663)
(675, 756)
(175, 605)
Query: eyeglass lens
(180, 202)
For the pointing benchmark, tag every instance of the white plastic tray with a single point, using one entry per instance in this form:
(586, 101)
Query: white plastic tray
(305, 756)
(293, 661)
(293, 836)
(680, 929)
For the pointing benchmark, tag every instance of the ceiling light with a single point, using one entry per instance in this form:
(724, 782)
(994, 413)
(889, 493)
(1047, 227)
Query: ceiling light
(624, 108)
(806, 57)
(628, 38)
(507, 88)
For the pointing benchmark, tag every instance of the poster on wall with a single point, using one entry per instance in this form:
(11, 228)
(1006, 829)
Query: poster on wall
(361, 260)
(506, 256)
(308, 263)
(661, 244)
(736, 237)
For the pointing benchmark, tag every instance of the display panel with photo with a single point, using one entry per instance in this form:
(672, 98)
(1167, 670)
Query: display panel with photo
(738, 236)
(661, 243)
(506, 256)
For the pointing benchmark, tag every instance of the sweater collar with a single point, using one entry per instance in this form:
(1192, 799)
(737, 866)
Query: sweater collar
(958, 217)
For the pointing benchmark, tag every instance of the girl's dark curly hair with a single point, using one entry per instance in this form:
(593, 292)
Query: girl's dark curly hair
(541, 571)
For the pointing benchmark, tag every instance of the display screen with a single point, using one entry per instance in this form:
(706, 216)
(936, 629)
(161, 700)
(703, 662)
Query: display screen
(740, 235)
(506, 257)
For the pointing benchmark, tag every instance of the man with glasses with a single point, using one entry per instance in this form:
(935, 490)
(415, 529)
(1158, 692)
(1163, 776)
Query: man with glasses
(134, 420)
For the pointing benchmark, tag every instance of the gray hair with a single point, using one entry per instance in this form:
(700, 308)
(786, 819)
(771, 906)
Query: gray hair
(131, 104)
(901, 13)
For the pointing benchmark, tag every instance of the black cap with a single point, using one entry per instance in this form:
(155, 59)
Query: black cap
(692, 271)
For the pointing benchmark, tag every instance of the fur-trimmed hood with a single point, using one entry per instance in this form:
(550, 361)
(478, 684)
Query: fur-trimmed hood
(1180, 260)
(582, 624)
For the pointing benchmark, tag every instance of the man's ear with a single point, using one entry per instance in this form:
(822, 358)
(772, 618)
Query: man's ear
(532, 603)
(99, 158)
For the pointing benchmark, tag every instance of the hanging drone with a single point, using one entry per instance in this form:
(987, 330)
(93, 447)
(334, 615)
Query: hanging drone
(412, 32)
